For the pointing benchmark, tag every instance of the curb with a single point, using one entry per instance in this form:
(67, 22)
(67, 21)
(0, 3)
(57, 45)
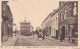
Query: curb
(64, 42)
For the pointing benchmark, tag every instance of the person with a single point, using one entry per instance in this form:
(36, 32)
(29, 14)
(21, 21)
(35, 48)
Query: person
(33, 33)
(37, 33)
(43, 34)
(60, 37)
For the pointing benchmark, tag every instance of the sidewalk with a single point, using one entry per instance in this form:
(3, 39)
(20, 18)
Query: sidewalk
(65, 43)
(10, 42)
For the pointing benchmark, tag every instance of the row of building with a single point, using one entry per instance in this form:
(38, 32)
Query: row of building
(63, 21)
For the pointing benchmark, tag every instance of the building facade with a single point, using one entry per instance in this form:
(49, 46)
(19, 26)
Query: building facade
(46, 25)
(7, 22)
(26, 28)
(68, 20)
(54, 24)
(50, 24)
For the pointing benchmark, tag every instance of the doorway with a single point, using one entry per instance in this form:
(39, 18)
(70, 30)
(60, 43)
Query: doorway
(63, 32)
(56, 34)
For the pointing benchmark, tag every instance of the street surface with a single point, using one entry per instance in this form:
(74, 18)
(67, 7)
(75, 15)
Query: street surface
(34, 41)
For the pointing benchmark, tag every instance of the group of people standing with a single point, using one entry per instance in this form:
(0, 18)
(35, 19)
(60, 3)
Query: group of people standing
(40, 33)
(43, 33)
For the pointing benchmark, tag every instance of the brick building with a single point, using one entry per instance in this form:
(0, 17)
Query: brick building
(68, 20)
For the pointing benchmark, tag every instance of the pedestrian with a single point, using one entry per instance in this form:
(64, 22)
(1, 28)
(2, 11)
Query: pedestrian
(43, 34)
(37, 33)
(33, 33)
(60, 37)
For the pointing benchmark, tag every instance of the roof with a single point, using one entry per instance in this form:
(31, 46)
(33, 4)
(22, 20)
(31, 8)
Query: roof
(25, 22)
(47, 17)
(52, 14)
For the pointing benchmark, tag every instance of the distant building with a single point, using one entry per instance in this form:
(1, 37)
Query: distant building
(7, 22)
(26, 28)
(68, 20)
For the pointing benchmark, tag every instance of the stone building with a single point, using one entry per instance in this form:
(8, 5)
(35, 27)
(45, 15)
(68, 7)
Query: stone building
(68, 20)
(7, 21)
(26, 28)
(50, 24)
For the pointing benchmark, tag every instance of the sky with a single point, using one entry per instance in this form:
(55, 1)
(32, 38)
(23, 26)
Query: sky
(35, 11)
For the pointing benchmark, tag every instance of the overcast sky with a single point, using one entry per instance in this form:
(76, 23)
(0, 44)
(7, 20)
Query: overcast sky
(35, 11)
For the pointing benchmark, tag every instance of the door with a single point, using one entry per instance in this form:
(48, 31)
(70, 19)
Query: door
(56, 34)
(50, 30)
(63, 32)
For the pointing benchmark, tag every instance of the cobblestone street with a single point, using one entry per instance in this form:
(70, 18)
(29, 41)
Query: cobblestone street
(34, 41)
(39, 23)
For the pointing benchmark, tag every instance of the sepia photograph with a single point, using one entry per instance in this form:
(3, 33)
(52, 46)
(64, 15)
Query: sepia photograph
(39, 23)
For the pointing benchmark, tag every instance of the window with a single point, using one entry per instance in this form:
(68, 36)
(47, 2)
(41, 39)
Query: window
(56, 20)
(69, 12)
(75, 4)
(21, 29)
(4, 8)
(65, 14)
(60, 16)
(74, 10)
(25, 28)
(66, 27)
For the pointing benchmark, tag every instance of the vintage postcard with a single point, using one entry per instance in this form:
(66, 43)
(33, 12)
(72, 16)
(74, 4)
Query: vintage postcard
(39, 24)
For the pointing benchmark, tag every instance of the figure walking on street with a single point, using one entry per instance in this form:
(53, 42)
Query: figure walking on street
(43, 34)
(60, 37)
(33, 33)
(37, 33)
